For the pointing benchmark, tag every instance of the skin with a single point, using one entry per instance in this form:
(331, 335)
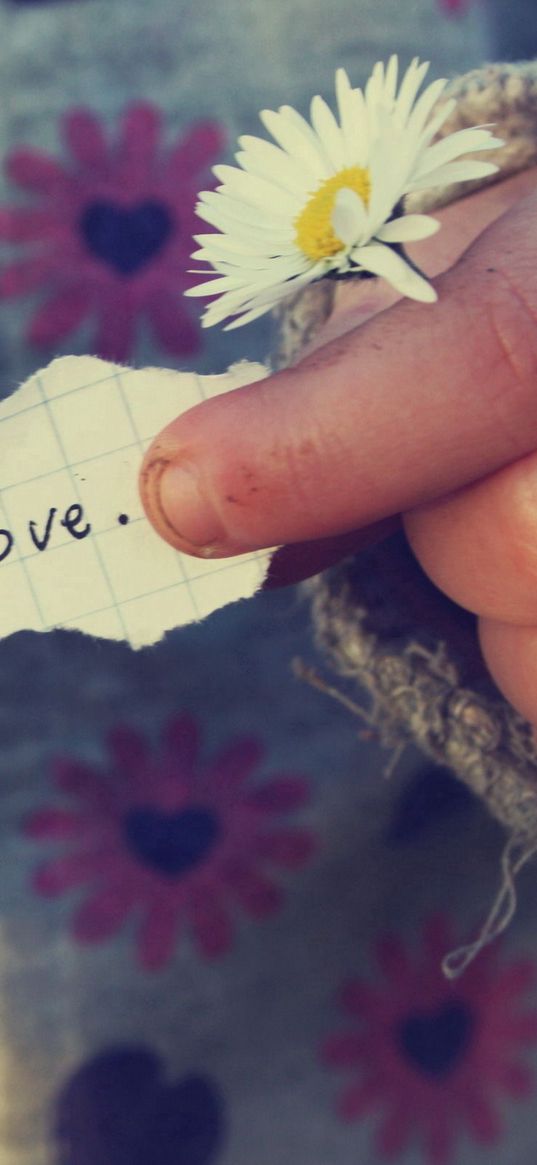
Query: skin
(402, 412)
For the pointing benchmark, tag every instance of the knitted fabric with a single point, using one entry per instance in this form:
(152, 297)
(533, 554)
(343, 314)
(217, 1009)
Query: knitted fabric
(382, 622)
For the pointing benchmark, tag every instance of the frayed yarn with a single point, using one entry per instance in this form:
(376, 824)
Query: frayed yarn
(384, 625)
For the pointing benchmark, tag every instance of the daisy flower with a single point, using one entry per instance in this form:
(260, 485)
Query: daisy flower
(178, 843)
(327, 197)
(430, 1057)
(105, 234)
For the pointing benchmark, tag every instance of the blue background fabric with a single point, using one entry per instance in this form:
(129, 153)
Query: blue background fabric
(220, 926)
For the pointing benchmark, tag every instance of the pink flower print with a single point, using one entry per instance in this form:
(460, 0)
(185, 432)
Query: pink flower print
(108, 234)
(433, 1057)
(454, 7)
(178, 842)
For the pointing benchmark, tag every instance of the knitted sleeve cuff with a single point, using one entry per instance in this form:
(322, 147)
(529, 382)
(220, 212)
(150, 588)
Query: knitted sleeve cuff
(505, 97)
(413, 653)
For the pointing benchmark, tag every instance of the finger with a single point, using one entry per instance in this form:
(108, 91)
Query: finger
(414, 404)
(354, 303)
(479, 545)
(511, 656)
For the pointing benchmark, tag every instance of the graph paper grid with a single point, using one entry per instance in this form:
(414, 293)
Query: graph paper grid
(71, 443)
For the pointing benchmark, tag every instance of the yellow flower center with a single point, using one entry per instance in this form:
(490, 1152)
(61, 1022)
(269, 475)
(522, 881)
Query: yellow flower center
(315, 234)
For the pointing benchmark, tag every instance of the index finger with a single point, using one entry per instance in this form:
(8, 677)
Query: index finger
(415, 403)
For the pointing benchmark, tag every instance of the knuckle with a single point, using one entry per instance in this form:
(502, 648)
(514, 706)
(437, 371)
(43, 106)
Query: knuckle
(311, 468)
(511, 318)
(514, 321)
(519, 521)
(304, 444)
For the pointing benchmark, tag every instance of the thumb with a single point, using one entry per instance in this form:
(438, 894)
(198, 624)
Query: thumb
(415, 403)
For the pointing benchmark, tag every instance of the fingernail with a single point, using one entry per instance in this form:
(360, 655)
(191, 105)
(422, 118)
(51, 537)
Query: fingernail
(186, 510)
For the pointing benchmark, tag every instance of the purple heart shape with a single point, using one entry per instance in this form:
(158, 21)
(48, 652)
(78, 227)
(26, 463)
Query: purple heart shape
(126, 238)
(435, 1041)
(119, 1109)
(172, 843)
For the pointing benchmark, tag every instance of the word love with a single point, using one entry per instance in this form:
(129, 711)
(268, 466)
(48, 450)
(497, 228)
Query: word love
(73, 521)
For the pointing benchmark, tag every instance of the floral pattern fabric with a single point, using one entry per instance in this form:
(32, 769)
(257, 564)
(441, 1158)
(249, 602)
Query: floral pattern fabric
(436, 1056)
(108, 234)
(180, 842)
(181, 839)
(219, 935)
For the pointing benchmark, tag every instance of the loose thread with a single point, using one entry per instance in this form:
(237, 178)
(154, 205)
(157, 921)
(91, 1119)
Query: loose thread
(502, 911)
(308, 674)
(304, 672)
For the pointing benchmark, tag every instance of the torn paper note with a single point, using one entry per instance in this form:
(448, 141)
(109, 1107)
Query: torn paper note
(76, 549)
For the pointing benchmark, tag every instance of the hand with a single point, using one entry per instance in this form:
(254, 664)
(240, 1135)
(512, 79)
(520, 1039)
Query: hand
(401, 408)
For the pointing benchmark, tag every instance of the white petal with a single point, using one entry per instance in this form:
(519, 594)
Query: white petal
(390, 165)
(465, 141)
(245, 231)
(247, 235)
(391, 79)
(247, 318)
(252, 313)
(436, 122)
(383, 261)
(255, 296)
(253, 299)
(220, 246)
(273, 293)
(353, 119)
(215, 313)
(289, 134)
(220, 209)
(260, 292)
(239, 259)
(264, 270)
(374, 90)
(295, 118)
(408, 228)
(257, 191)
(424, 106)
(268, 161)
(349, 217)
(329, 133)
(343, 84)
(409, 87)
(453, 172)
(252, 243)
(227, 305)
(357, 130)
(343, 91)
(215, 287)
